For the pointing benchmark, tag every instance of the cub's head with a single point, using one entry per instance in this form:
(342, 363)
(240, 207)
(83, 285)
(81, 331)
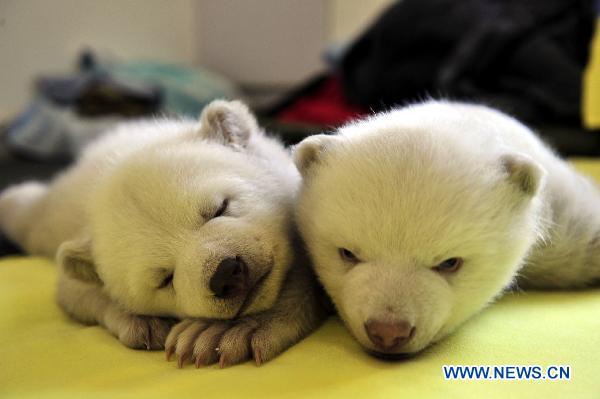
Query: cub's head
(416, 219)
(193, 225)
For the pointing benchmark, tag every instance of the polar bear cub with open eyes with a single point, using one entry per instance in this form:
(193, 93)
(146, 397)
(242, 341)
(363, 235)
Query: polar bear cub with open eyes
(417, 218)
(176, 218)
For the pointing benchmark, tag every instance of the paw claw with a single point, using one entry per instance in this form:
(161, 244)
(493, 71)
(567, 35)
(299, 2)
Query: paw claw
(181, 360)
(169, 353)
(199, 362)
(257, 357)
(222, 362)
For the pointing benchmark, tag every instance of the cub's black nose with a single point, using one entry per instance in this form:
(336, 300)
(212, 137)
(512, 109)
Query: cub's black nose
(230, 279)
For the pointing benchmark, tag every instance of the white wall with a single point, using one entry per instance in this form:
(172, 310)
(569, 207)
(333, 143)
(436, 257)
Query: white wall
(263, 41)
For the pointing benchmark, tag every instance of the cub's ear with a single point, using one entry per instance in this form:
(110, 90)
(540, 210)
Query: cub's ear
(75, 257)
(227, 122)
(524, 173)
(311, 151)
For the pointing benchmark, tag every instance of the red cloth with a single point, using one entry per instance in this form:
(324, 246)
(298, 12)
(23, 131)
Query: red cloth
(325, 106)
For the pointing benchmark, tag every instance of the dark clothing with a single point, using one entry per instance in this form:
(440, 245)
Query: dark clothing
(523, 56)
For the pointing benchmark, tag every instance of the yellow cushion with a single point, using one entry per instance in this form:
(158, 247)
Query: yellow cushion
(43, 354)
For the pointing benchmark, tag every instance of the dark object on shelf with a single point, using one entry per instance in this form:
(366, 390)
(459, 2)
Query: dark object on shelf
(99, 94)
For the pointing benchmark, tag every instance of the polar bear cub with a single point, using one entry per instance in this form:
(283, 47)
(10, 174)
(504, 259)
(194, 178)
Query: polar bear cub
(419, 217)
(176, 218)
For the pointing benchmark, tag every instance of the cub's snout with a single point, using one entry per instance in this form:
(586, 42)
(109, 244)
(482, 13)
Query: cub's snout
(230, 279)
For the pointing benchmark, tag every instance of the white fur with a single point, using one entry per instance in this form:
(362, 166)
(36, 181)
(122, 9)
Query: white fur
(407, 189)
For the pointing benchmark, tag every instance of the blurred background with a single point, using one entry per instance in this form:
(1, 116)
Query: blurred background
(73, 68)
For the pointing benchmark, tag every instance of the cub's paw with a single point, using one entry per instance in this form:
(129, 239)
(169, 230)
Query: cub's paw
(204, 342)
(144, 332)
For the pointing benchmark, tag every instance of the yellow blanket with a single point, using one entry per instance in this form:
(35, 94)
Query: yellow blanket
(43, 354)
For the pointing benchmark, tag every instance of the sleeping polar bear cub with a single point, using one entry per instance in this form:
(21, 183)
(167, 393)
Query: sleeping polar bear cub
(175, 218)
(417, 218)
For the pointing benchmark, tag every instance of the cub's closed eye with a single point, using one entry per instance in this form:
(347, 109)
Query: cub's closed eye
(348, 256)
(222, 209)
(166, 282)
(450, 265)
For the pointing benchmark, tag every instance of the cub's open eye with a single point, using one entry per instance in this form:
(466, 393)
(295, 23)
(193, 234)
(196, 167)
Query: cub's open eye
(167, 281)
(222, 209)
(450, 265)
(348, 256)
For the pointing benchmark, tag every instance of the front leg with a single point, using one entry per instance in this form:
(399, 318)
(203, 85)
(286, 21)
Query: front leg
(87, 303)
(298, 311)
